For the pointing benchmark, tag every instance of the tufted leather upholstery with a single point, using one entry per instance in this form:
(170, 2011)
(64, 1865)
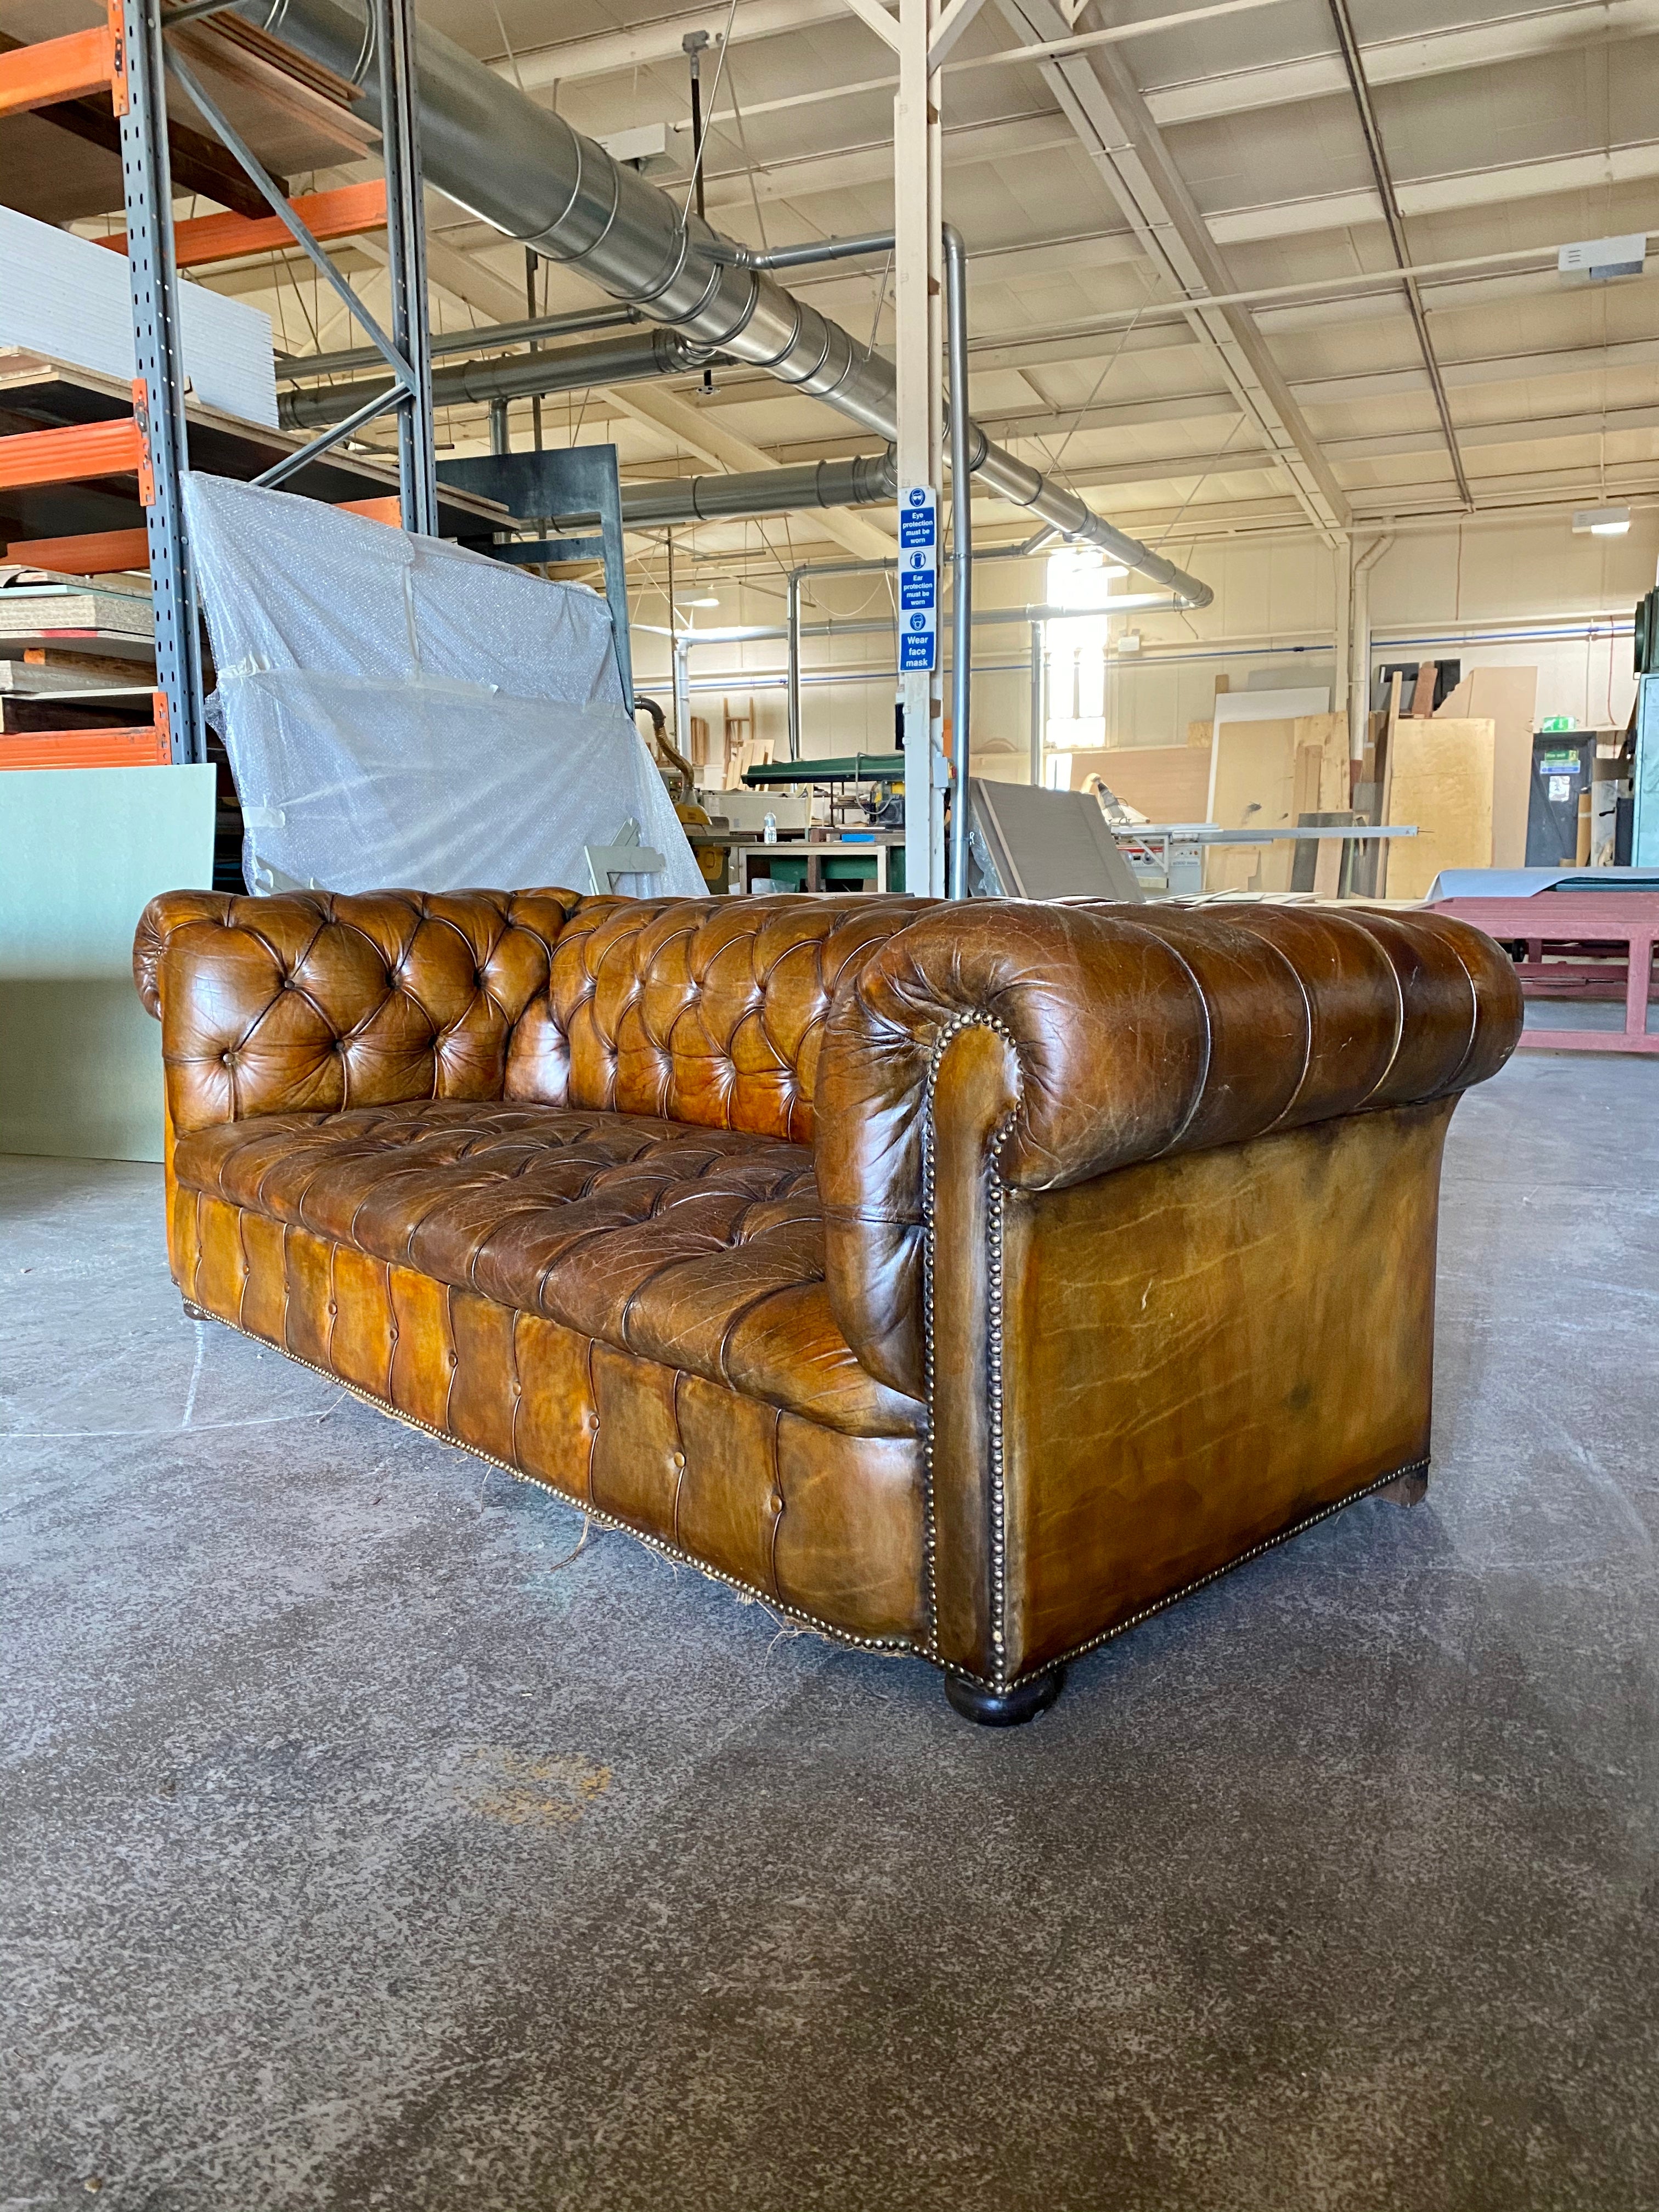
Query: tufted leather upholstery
(961, 1279)
(312, 1003)
(708, 1012)
(701, 1249)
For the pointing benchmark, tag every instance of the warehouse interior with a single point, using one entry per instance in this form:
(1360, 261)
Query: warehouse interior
(958, 1018)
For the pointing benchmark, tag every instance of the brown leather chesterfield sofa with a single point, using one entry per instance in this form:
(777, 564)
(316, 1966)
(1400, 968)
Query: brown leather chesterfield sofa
(969, 1281)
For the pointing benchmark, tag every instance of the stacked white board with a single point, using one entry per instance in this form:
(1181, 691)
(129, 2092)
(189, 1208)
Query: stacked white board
(68, 298)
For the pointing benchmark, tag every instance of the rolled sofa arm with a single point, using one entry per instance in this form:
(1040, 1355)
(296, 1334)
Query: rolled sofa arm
(1127, 1035)
(311, 1002)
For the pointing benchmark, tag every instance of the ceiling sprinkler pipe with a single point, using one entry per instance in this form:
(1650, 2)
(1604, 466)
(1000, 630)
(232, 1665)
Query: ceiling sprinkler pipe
(869, 480)
(524, 171)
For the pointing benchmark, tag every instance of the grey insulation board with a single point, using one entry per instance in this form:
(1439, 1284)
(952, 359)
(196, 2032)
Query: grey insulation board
(1025, 843)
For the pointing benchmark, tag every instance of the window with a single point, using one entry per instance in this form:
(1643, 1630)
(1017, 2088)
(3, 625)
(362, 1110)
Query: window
(1079, 577)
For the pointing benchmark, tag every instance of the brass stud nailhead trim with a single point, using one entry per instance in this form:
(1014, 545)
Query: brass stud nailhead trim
(1268, 1544)
(952, 1029)
(885, 1648)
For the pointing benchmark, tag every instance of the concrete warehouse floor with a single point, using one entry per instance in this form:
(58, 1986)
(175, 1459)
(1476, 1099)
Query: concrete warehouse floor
(363, 1848)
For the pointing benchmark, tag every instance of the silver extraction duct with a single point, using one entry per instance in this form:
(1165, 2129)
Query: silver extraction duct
(623, 360)
(870, 480)
(523, 170)
(306, 367)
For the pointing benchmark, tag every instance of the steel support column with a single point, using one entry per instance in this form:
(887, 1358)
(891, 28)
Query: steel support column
(920, 406)
(1359, 645)
(962, 554)
(406, 232)
(159, 384)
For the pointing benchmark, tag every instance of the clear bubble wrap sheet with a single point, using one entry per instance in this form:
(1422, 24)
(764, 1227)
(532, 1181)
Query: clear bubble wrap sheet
(401, 713)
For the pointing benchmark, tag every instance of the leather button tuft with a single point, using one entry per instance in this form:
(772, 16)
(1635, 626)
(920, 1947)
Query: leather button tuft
(776, 1502)
(679, 1459)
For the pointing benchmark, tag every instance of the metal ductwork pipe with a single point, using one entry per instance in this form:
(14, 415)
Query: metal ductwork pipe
(305, 367)
(870, 480)
(572, 368)
(524, 171)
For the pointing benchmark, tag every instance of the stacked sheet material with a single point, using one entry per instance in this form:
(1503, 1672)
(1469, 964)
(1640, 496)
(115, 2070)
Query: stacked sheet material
(69, 300)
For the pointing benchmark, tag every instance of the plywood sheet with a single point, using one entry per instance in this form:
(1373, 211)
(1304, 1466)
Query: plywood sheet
(1509, 698)
(1253, 786)
(1440, 779)
(1264, 775)
(1166, 783)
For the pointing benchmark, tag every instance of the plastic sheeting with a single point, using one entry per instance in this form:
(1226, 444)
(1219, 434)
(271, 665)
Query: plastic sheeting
(1526, 882)
(399, 711)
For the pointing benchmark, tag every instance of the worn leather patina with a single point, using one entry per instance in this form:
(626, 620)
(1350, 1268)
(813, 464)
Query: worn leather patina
(968, 1281)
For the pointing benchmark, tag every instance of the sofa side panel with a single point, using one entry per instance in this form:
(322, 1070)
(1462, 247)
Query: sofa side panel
(1200, 1352)
(1138, 1031)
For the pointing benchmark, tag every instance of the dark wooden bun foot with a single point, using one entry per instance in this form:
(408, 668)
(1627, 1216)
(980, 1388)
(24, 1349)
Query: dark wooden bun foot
(1005, 1708)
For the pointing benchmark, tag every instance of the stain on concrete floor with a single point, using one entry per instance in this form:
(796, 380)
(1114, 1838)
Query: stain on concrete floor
(358, 1853)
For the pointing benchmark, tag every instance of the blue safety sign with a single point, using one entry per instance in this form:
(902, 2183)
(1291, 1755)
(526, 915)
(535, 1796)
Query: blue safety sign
(918, 513)
(918, 517)
(918, 581)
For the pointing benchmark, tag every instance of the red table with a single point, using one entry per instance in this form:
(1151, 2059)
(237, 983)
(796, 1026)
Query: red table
(1576, 921)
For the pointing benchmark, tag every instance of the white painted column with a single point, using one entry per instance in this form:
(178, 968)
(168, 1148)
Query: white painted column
(919, 305)
(1342, 585)
(1359, 642)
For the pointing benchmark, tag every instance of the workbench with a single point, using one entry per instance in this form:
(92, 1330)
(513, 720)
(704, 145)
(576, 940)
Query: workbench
(1590, 929)
(753, 856)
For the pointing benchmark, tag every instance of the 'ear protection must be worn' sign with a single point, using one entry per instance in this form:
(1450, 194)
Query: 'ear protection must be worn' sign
(918, 577)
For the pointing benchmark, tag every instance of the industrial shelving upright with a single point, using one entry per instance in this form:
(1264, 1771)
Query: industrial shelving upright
(127, 57)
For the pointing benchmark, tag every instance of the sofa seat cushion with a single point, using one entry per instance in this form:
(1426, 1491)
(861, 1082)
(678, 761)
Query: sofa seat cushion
(701, 1249)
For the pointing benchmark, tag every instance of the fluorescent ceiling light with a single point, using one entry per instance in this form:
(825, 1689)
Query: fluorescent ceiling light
(709, 602)
(1600, 521)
